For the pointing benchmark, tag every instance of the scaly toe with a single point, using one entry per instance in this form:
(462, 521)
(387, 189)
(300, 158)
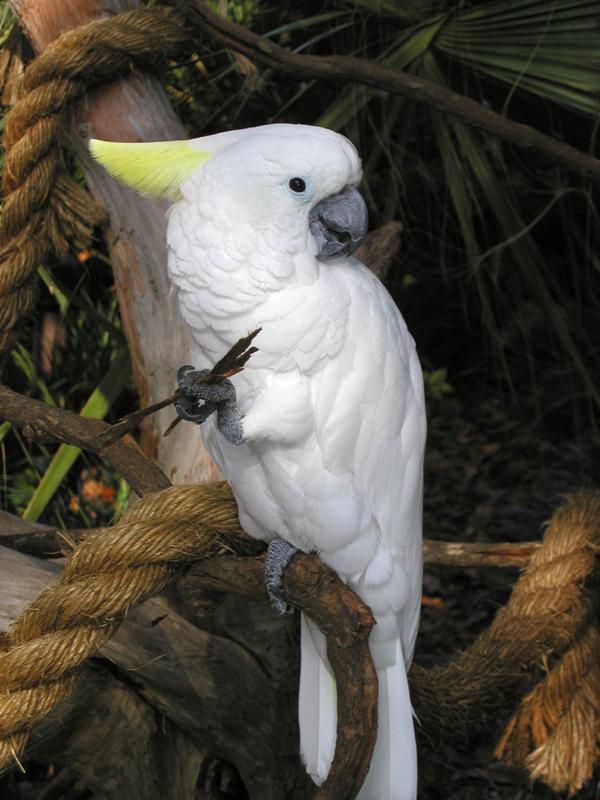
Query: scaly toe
(279, 555)
(187, 378)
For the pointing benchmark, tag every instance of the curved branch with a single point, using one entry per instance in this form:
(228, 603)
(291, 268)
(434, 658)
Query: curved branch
(347, 69)
(40, 420)
(347, 622)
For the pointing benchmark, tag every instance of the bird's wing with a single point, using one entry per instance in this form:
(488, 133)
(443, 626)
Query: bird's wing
(370, 422)
(369, 410)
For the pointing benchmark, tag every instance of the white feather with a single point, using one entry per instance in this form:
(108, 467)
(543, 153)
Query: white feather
(317, 703)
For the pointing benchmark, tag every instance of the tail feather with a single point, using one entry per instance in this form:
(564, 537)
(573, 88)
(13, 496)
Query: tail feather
(317, 705)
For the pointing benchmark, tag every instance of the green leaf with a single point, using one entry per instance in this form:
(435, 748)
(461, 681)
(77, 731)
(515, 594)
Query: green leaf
(406, 48)
(24, 361)
(55, 290)
(4, 429)
(551, 49)
(96, 407)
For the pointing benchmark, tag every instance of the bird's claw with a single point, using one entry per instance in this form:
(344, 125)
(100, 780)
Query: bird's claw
(279, 555)
(187, 380)
(189, 410)
(216, 396)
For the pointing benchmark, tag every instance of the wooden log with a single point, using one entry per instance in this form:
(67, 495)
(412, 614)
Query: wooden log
(240, 699)
(133, 109)
(136, 751)
(32, 538)
(380, 248)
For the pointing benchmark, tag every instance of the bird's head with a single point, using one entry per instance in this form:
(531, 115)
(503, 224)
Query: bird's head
(292, 178)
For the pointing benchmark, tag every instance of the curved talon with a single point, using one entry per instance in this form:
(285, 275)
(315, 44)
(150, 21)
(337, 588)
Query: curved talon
(218, 395)
(188, 410)
(182, 372)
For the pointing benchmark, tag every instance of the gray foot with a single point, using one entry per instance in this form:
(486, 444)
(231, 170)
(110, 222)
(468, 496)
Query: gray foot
(279, 555)
(200, 400)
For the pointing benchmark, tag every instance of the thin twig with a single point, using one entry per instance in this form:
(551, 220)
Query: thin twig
(231, 364)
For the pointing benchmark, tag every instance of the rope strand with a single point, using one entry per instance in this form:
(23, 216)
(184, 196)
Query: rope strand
(43, 207)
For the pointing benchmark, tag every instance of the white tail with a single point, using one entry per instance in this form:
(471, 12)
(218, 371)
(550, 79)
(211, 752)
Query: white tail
(317, 702)
(393, 771)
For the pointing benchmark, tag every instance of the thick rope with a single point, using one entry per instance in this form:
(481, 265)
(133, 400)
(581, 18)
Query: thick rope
(546, 630)
(555, 732)
(44, 208)
(112, 570)
(547, 626)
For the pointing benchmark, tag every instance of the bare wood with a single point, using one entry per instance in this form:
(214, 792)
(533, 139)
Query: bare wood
(136, 109)
(216, 690)
(478, 554)
(45, 541)
(41, 420)
(347, 622)
(348, 69)
(107, 718)
(34, 538)
(49, 541)
(380, 248)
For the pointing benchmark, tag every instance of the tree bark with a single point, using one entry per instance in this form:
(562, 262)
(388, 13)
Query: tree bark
(108, 718)
(135, 109)
(234, 695)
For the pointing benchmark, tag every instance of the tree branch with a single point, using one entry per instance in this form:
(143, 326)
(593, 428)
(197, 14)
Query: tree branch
(347, 69)
(347, 622)
(478, 554)
(41, 420)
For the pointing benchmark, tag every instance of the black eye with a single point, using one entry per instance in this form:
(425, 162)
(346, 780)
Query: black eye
(297, 185)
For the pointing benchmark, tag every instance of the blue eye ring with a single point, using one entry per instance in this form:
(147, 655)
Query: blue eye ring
(300, 187)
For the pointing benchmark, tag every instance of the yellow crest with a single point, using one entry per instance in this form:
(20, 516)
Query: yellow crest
(154, 169)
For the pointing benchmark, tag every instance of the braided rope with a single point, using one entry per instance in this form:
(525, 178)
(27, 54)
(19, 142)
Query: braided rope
(44, 208)
(112, 570)
(555, 732)
(547, 627)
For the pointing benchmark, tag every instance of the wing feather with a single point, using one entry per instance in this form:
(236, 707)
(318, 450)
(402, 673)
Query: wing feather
(369, 410)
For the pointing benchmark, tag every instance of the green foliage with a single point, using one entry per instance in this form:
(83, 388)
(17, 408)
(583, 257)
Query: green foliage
(96, 407)
(90, 370)
(6, 22)
(436, 383)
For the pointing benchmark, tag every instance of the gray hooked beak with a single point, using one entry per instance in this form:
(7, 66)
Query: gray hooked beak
(339, 223)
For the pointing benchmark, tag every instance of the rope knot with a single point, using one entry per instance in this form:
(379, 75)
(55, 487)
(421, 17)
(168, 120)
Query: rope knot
(555, 731)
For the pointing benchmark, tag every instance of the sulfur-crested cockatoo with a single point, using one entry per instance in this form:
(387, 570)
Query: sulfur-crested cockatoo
(322, 437)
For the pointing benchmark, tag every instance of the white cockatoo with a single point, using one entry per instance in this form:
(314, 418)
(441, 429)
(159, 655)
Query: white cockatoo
(322, 439)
